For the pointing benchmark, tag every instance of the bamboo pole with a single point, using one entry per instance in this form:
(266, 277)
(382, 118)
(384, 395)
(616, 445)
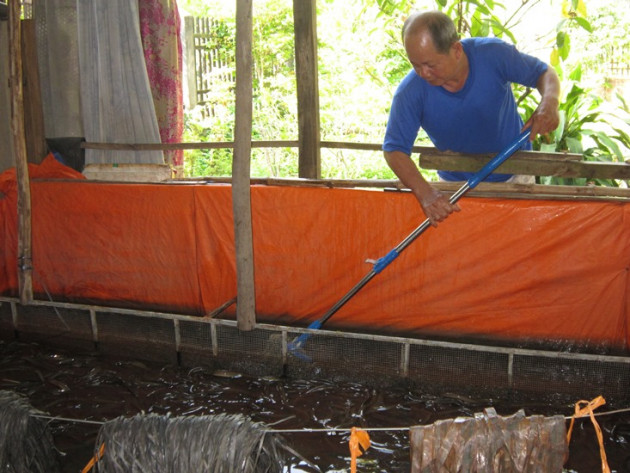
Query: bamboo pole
(24, 249)
(305, 28)
(241, 193)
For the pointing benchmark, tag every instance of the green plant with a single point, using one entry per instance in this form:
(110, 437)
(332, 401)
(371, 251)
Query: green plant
(588, 126)
(198, 127)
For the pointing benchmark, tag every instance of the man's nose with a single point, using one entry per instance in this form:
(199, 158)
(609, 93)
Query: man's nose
(422, 71)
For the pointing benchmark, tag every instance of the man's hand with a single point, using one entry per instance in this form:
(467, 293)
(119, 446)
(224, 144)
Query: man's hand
(436, 206)
(546, 117)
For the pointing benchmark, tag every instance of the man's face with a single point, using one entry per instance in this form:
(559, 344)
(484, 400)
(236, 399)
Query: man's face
(437, 69)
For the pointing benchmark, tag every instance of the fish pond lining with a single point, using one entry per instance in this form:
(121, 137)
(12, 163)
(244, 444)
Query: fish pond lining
(371, 358)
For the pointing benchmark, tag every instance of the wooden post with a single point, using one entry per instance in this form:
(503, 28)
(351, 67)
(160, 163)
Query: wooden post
(189, 58)
(19, 147)
(241, 193)
(305, 27)
(36, 148)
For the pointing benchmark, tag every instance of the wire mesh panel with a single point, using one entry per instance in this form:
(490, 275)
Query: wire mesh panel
(232, 341)
(271, 350)
(6, 318)
(195, 335)
(453, 367)
(51, 322)
(579, 377)
(327, 354)
(125, 327)
(137, 336)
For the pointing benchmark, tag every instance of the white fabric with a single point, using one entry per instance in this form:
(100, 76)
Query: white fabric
(115, 92)
(58, 58)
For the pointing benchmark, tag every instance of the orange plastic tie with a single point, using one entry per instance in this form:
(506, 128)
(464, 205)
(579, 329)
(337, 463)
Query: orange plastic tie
(359, 443)
(94, 459)
(588, 409)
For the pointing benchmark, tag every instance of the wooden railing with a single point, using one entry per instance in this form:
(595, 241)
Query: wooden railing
(522, 162)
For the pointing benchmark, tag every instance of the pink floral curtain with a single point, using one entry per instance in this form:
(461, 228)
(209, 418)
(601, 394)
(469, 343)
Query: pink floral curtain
(160, 31)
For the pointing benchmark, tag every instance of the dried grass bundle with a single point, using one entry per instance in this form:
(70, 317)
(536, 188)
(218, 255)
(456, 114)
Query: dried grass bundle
(26, 444)
(217, 444)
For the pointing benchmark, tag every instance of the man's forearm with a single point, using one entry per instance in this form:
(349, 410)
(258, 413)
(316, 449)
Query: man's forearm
(549, 86)
(408, 173)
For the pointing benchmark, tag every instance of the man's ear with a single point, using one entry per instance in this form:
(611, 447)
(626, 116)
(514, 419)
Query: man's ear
(458, 49)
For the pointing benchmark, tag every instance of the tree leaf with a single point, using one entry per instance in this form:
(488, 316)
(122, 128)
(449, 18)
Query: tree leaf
(584, 23)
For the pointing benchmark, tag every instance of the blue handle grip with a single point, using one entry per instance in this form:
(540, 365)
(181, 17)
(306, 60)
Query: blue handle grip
(383, 262)
(498, 159)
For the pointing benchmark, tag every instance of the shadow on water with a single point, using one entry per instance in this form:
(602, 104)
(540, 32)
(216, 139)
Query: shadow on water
(92, 387)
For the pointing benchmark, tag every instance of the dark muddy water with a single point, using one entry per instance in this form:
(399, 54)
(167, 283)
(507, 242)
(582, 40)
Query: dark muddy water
(90, 386)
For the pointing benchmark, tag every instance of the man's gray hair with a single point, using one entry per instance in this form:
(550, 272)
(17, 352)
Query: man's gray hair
(439, 25)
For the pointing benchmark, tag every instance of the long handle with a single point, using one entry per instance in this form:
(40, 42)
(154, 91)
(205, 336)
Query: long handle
(383, 262)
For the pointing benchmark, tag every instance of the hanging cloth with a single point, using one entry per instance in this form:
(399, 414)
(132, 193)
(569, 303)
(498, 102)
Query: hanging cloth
(116, 98)
(160, 30)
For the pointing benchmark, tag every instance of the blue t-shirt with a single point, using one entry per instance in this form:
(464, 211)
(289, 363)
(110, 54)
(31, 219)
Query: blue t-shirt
(482, 117)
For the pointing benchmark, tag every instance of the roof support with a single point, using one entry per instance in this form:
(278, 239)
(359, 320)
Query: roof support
(241, 193)
(305, 27)
(24, 250)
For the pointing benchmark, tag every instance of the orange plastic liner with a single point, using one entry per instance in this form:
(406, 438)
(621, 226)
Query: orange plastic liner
(499, 269)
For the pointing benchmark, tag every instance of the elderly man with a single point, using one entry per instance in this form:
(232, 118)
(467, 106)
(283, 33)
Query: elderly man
(459, 92)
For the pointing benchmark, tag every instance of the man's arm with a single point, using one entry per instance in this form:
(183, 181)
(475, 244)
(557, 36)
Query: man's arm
(434, 204)
(546, 118)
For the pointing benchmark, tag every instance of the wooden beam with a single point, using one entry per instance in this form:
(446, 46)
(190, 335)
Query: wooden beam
(189, 59)
(197, 145)
(535, 163)
(497, 190)
(530, 164)
(24, 250)
(241, 194)
(305, 21)
(431, 152)
(36, 149)
(506, 190)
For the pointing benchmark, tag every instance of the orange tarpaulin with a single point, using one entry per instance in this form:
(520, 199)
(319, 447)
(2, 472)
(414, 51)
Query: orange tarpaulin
(503, 269)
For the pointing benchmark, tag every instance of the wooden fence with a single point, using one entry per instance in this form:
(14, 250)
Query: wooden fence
(617, 62)
(210, 69)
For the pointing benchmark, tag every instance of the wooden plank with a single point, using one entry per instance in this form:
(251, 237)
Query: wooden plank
(197, 145)
(484, 189)
(241, 195)
(305, 21)
(189, 58)
(434, 153)
(532, 165)
(501, 190)
(24, 250)
(523, 162)
(36, 149)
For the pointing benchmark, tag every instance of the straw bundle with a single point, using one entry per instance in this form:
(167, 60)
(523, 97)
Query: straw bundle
(218, 444)
(26, 444)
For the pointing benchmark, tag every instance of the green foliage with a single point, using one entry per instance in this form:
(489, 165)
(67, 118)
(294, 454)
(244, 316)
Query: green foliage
(361, 61)
(274, 111)
(587, 127)
(607, 39)
(477, 18)
(200, 128)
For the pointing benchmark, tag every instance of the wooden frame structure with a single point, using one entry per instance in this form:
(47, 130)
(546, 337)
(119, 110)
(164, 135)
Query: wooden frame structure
(309, 144)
